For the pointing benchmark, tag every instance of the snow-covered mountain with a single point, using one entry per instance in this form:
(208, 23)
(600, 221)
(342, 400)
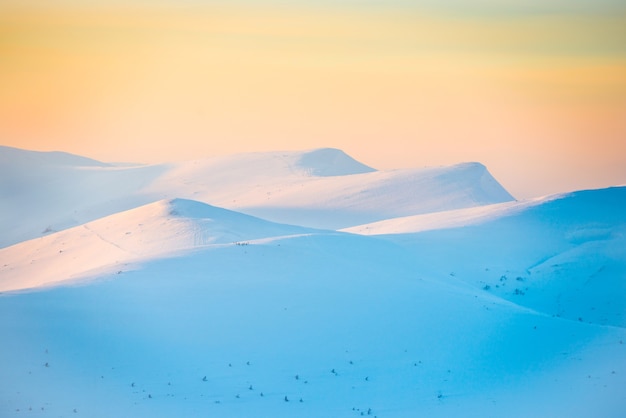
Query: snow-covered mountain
(46, 192)
(289, 188)
(118, 242)
(563, 255)
(301, 326)
(145, 298)
(322, 188)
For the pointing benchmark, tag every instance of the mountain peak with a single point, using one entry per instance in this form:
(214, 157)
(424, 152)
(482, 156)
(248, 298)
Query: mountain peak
(327, 162)
(192, 209)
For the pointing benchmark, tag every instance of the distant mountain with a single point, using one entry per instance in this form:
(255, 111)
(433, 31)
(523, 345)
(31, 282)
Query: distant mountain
(283, 193)
(324, 188)
(18, 158)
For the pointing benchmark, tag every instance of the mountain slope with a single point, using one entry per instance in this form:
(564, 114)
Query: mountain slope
(563, 255)
(321, 188)
(315, 325)
(110, 244)
(46, 192)
(338, 202)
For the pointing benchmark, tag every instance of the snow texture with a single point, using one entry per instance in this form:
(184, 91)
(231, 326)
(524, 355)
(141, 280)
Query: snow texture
(145, 299)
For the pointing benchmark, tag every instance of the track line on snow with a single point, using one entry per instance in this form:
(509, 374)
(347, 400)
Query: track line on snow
(110, 242)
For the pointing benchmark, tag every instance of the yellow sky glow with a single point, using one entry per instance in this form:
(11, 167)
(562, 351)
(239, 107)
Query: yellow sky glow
(391, 89)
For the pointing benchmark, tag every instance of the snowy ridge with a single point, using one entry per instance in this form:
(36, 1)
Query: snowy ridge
(322, 188)
(446, 219)
(563, 255)
(327, 162)
(107, 245)
(331, 202)
(15, 158)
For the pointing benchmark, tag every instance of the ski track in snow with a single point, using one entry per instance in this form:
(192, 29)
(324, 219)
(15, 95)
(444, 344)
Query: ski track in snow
(109, 242)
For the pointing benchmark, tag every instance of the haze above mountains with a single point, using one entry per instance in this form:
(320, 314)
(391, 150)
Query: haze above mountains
(304, 284)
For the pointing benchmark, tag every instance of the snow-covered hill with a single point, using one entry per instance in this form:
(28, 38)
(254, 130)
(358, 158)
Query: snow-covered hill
(276, 186)
(322, 188)
(562, 255)
(118, 242)
(138, 291)
(315, 325)
(47, 192)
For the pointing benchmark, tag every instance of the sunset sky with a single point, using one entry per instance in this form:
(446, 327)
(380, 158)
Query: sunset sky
(535, 91)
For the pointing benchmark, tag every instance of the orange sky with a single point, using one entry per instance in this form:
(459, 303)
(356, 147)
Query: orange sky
(539, 98)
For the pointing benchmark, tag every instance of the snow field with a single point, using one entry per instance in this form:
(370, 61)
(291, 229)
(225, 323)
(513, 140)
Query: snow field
(128, 291)
(297, 309)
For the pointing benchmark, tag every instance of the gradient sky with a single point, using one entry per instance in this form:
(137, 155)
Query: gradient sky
(534, 90)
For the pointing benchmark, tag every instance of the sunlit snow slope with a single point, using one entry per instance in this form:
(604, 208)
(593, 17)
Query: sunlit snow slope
(323, 188)
(110, 244)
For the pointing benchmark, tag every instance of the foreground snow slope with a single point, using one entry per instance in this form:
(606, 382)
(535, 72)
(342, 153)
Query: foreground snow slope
(563, 255)
(317, 325)
(112, 243)
(325, 188)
